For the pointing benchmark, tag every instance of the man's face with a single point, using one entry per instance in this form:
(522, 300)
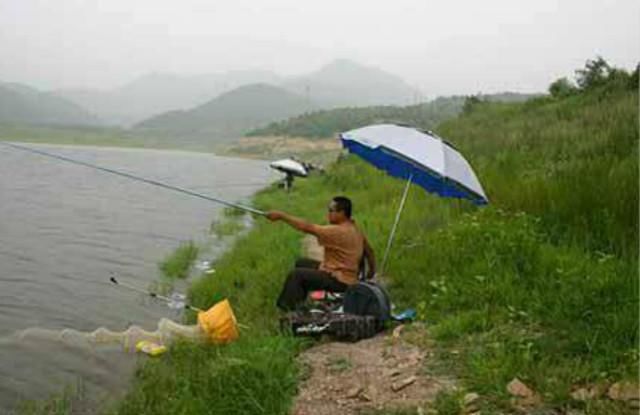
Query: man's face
(333, 214)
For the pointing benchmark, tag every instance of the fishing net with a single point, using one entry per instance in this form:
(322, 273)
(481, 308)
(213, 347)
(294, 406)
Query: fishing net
(166, 332)
(217, 324)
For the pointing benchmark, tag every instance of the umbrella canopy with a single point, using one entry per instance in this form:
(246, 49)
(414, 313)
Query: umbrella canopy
(423, 157)
(289, 166)
(418, 156)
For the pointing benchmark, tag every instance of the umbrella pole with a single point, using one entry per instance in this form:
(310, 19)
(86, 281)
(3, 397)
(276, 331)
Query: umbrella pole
(395, 225)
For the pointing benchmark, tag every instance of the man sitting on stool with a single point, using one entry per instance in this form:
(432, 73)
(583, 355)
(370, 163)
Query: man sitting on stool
(344, 246)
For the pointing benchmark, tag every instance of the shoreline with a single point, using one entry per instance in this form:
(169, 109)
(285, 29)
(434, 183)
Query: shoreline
(109, 147)
(189, 152)
(213, 248)
(269, 148)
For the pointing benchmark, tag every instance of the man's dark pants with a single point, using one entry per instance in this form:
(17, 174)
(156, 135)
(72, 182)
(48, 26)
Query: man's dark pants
(303, 278)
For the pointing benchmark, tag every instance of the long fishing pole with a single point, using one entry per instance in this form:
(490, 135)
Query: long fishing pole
(151, 294)
(162, 297)
(138, 178)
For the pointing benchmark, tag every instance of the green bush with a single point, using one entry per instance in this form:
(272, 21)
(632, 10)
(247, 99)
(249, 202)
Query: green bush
(562, 88)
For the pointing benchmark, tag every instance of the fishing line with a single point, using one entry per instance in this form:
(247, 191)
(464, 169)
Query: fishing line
(152, 294)
(138, 178)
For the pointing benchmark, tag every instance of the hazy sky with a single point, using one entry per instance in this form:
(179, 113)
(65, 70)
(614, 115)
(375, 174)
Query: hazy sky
(440, 46)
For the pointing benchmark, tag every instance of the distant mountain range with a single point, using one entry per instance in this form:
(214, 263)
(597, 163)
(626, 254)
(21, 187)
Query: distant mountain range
(156, 93)
(338, 84)
(344, 83)
(21, 104)
(230, 115)
(210, 107)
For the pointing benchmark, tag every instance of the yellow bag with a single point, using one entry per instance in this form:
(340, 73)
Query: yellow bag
(150, 348)
(218, 323)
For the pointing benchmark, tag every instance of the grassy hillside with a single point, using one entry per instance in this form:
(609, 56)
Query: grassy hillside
(25, 105)
(558, 159)
(541, 285)
(229, 115)
(156, 93)
(328, 123)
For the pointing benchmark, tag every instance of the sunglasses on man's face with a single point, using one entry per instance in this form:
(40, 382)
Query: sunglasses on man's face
(332, 209)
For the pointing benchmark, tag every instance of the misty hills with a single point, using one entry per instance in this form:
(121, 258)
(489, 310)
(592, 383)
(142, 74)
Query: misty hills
(157, 93)
(344, 83)
(340, 83)
(327, 123)
(229, 115)
(218, 106)
(21, 104)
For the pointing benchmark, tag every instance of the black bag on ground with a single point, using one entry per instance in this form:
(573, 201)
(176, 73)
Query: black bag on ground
(347, 327)
(368, 299)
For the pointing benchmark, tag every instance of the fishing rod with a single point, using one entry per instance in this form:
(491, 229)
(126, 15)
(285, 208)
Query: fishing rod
(138, 178)
(162, 297)
(152, 294)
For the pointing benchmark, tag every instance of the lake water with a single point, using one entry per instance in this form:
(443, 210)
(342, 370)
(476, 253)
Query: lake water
(66, 229)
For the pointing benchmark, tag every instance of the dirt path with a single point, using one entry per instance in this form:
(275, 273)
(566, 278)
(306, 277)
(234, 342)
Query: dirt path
(382, 372)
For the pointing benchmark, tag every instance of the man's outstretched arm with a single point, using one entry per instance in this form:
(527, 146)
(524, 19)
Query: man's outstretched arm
(294, 222)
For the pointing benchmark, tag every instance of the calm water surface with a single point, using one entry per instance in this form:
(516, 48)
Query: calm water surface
(65, 229)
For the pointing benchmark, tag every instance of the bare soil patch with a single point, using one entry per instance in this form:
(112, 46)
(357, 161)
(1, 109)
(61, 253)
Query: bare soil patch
(385, 371)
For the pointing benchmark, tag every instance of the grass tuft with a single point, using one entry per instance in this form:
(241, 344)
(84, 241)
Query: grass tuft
(255, 375)
(178, 263)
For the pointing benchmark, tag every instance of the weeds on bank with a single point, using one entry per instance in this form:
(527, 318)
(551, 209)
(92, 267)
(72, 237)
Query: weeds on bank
(226, 227)
(178, 263)
(255, 375)
(513, 305)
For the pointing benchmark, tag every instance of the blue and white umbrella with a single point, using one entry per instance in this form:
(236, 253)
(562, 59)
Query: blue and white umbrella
(420, 157)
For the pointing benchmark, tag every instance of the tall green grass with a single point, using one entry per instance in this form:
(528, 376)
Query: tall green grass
(571, 162)
(495, 286)
(178, 263)
(255, 375)
(541, 285)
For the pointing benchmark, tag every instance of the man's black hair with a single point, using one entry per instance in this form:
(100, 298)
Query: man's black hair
(343, 204)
